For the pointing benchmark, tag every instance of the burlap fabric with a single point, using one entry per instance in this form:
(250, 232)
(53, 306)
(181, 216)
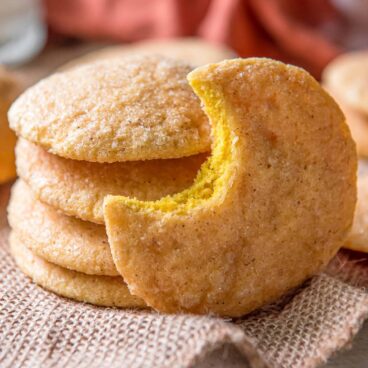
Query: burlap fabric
(39, 329)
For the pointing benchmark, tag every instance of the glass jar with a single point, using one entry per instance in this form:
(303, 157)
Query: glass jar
(22, 31)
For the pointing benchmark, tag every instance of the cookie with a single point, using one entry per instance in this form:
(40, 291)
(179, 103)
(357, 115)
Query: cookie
(66, 241)
(194, 51)
(348, 76)
(99, 290)
(78, 188)
(358, 237)
(9, 88)
(134, 108)
(269, 209)
(357, 122)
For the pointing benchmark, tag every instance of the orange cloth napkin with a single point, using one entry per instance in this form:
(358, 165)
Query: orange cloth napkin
(282, 29)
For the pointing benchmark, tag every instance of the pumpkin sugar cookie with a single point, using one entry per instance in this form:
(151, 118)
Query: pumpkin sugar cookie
(134, 108)
(270, 207)
(98, 290)
(347, 75)
(78, 188)
(66, 241)
(194, 51)
(9, 88)
(358, 237)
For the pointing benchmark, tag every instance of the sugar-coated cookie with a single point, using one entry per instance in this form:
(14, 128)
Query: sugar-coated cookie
(99, 290)
(347, 75)
(66, 241)
(270, 207)
(357, 122)
(9, 88)
(78, 187)
(358, 237)
(194, 51)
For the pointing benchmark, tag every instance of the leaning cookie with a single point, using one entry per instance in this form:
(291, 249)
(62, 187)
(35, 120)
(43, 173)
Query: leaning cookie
(98, 290)
(134, 108)
(194, 51)
(270, 207)
(348, 76)
(358, 237)
(78, 187)
(65, 241)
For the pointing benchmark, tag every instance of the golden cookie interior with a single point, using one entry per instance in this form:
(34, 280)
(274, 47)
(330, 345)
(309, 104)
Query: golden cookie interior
(357, 122)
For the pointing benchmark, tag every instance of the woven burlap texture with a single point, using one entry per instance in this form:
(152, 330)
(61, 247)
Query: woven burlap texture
(40, 329)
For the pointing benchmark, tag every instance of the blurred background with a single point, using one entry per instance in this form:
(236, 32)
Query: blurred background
(42, 34)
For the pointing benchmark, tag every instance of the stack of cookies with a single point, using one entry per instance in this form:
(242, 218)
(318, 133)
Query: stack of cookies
(117, 147)
(346, 78)
(130, 126)
(194, 50)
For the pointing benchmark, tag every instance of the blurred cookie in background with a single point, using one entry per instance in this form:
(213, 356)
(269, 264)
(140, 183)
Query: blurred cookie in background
(9, 89)
(347, 76)
(358, 237)
(358, 124)
(346, 79)
(194, 51)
